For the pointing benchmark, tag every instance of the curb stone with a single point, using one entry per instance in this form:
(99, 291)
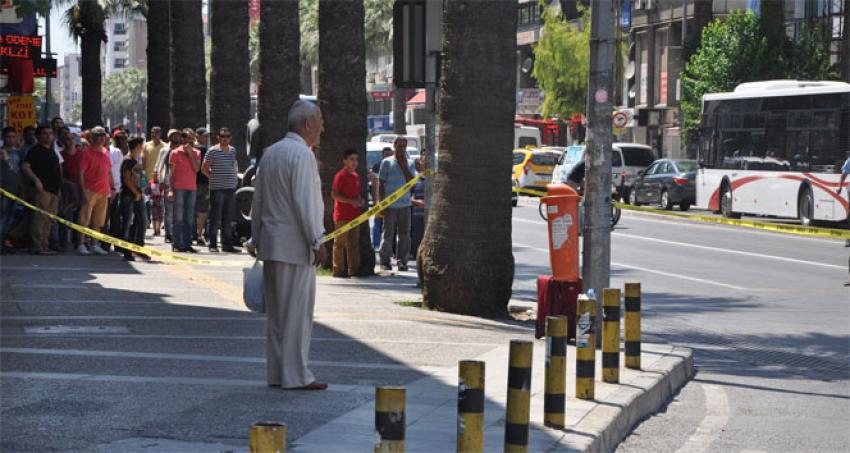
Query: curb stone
(610, 423)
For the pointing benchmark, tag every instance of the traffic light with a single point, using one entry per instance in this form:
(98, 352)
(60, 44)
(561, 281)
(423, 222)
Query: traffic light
(631, 76)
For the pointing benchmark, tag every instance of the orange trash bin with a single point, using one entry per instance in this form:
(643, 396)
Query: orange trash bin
(562, 214)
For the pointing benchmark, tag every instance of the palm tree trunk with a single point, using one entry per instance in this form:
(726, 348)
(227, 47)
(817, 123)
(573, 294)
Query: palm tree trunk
(159, 64)
(230, 75)
(280, 66)
(465, 257)
(90, 56)
(188, 70)
(342, 98)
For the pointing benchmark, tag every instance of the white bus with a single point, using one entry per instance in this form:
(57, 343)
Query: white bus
(775, 148)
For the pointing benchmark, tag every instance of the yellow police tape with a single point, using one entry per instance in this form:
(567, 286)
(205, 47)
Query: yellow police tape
(121, 243)
(536, 193)
(380, 206)
(766, 226)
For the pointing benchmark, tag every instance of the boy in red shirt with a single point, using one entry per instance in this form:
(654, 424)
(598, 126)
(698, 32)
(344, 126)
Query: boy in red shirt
(347, 203)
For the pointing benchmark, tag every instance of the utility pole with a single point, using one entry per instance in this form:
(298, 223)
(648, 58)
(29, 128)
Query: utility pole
(47, 82)
(596, 254)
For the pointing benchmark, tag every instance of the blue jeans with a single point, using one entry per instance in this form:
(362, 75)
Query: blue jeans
(377, 227)
(7, 216)
(184, 215)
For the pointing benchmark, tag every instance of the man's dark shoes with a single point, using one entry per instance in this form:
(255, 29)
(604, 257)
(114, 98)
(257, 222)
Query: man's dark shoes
(167, 239)
(190, 249)
(200, 241)
(213, 249)
(402, 267)
(315, 385)
(386, 267)
(340, 275)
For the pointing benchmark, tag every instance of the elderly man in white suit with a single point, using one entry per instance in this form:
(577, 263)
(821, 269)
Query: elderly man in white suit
(287, 227)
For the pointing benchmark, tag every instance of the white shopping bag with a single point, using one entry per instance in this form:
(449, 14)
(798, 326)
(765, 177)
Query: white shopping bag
(252, 287)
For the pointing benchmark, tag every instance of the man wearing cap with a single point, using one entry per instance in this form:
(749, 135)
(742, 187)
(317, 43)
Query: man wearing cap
(202, 199)
(185, 162)
(163, 177)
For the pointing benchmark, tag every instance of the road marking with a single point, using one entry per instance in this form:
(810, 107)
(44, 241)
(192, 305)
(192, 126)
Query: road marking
(729, 251)
(680, 276)
(716, 417)
(47, 335)
(653, 271)
(643, 217)
(210, 358)
(365, 389)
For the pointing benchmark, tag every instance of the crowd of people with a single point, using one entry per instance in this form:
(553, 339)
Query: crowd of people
(118, 185)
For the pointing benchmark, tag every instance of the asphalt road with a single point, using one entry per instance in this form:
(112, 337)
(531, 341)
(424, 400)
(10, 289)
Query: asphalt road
(766, 314)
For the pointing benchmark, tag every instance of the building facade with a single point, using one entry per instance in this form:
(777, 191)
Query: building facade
(71, 87)
(657, 30)
(126, 46)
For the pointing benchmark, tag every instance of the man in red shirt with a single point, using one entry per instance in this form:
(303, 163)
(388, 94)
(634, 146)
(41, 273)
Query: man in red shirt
(347, 203)
(95, 178)
(185, 162)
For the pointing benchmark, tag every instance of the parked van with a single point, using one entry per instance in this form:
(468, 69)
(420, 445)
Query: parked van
(526, 136)
(412, 141)
(627, 160)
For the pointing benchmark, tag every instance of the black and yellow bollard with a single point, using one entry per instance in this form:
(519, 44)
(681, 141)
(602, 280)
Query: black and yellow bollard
(389, 419)
(611, 335)
(519, 396)
(470, 407)
(585, 348)
(632, 330)
(555, 386)
(267, 437)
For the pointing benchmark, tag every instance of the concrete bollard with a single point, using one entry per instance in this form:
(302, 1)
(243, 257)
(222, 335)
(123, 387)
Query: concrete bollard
(632, 330)
(519, 396)
(585, 348)
(554, 401)
(611, 335)
(390, 419)
(267, 437)
(470, 407)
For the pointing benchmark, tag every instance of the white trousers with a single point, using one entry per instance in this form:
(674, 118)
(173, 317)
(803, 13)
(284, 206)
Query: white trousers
(290, 296)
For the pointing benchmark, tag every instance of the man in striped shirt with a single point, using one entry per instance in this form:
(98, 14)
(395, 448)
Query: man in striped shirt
(220, 167)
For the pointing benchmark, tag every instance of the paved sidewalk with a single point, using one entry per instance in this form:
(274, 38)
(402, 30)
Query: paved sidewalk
(102, 355)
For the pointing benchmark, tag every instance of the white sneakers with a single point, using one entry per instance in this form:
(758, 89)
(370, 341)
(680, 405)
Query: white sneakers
(82, 250)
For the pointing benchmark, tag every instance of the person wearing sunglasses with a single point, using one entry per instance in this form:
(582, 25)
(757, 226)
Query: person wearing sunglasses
(221, 168)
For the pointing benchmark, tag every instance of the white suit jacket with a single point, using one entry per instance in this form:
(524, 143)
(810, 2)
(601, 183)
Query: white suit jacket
(287, 210)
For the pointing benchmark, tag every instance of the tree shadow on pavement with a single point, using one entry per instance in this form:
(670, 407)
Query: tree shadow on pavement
(143, 355)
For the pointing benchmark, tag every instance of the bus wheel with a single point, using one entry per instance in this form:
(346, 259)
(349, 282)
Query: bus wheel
(806, 207)
(726, 203)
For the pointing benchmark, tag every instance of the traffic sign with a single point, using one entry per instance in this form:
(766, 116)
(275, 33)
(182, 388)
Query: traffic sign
(620, 120)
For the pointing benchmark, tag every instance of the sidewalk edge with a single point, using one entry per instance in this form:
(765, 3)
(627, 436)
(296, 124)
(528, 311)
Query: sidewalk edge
(611, 422)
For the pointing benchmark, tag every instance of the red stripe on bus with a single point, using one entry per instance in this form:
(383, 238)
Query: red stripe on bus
(714, 201)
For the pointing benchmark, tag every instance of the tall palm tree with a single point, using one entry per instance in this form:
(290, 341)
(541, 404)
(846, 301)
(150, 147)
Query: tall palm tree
(86, 24)
(342, 98)
(188, 72)
(125, 95)
(159, 63)
(465, 257)
(280, 67)
(230, 76)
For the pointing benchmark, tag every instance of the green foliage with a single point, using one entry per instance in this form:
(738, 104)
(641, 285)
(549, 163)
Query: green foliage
(562, 59)
(125, 92)
(737, 50)
(254, 51)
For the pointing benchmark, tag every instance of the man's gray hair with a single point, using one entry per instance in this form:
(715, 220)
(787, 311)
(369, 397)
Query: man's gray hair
(300, 112)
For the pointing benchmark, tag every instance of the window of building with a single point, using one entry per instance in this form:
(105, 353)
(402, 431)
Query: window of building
(120, 63)
(120, 28)
(661, 82)
(119, 46)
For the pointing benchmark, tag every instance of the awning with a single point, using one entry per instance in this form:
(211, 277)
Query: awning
(419, 98)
